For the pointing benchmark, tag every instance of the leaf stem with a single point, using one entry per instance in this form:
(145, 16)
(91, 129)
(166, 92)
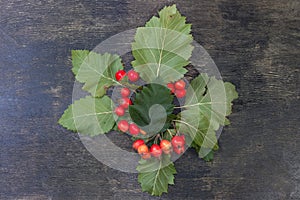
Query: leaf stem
(170, 132)
(198, 104)
(183, 122)
(174, 126)
(149, 139)
(156, 138)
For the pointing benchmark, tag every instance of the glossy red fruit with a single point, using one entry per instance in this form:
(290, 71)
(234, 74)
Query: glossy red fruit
(183, 138)
(166, 146)
(134, 129)
(179, 150)
(125, 102)
(125, 92)
(120, 74)
(119, 111)
(171, 87)
(137, 144)
(146, 156)
(133, 76)
(123, 126)
(180, 93)
(178, 144)
(179, 85)
(155, 151)
(178, 140)
(143, 150)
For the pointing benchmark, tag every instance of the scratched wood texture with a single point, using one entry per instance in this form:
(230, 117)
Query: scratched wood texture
(254, 43)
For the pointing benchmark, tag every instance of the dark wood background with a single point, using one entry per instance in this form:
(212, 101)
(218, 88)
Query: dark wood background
(254, 43)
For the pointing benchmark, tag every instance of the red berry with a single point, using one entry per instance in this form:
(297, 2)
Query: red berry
(120, 74)
(143, 150)
(179, 150)
(166, 146)
(146, 156)
(183, 138)
(125, 92)
(119, 111)
(133, 76)
(180, 93)
(125, 102)
(171, 87)
(155, 151)
(134, 129)
(137, 144)
(178, 141)
(179, 85)
(178, 144)
(123, 126)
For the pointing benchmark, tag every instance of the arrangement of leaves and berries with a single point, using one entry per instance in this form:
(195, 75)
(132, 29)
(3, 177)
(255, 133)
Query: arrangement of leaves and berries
(152, 102)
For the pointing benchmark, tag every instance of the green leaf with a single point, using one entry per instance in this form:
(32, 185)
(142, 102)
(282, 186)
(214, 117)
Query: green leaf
(213, 97)
(209, 156)
(78, 57)
(209, 153)
(96, 71)
(90, 116)
(152, 109)
(197, 127)
(208, 102)
(156, 174)
(163, 47)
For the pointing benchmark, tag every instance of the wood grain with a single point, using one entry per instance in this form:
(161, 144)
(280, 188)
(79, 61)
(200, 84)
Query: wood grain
(255, 45)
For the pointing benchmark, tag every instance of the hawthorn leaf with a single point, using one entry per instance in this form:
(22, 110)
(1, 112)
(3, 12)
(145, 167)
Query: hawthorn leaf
(213, 97)
(96, 71)
(209, 156)
(208, 102)
(163, 47)
(90, 116)
(152, 108)
(156, 174)
(78, 57)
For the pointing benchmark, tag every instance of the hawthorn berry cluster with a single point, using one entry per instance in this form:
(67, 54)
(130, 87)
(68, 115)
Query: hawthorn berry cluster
(178, 88)
(125, 101)
(177, 143)
(165, 146)
(133, 76)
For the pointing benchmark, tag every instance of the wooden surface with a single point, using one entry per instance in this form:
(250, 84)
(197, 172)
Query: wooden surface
(255, 44)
